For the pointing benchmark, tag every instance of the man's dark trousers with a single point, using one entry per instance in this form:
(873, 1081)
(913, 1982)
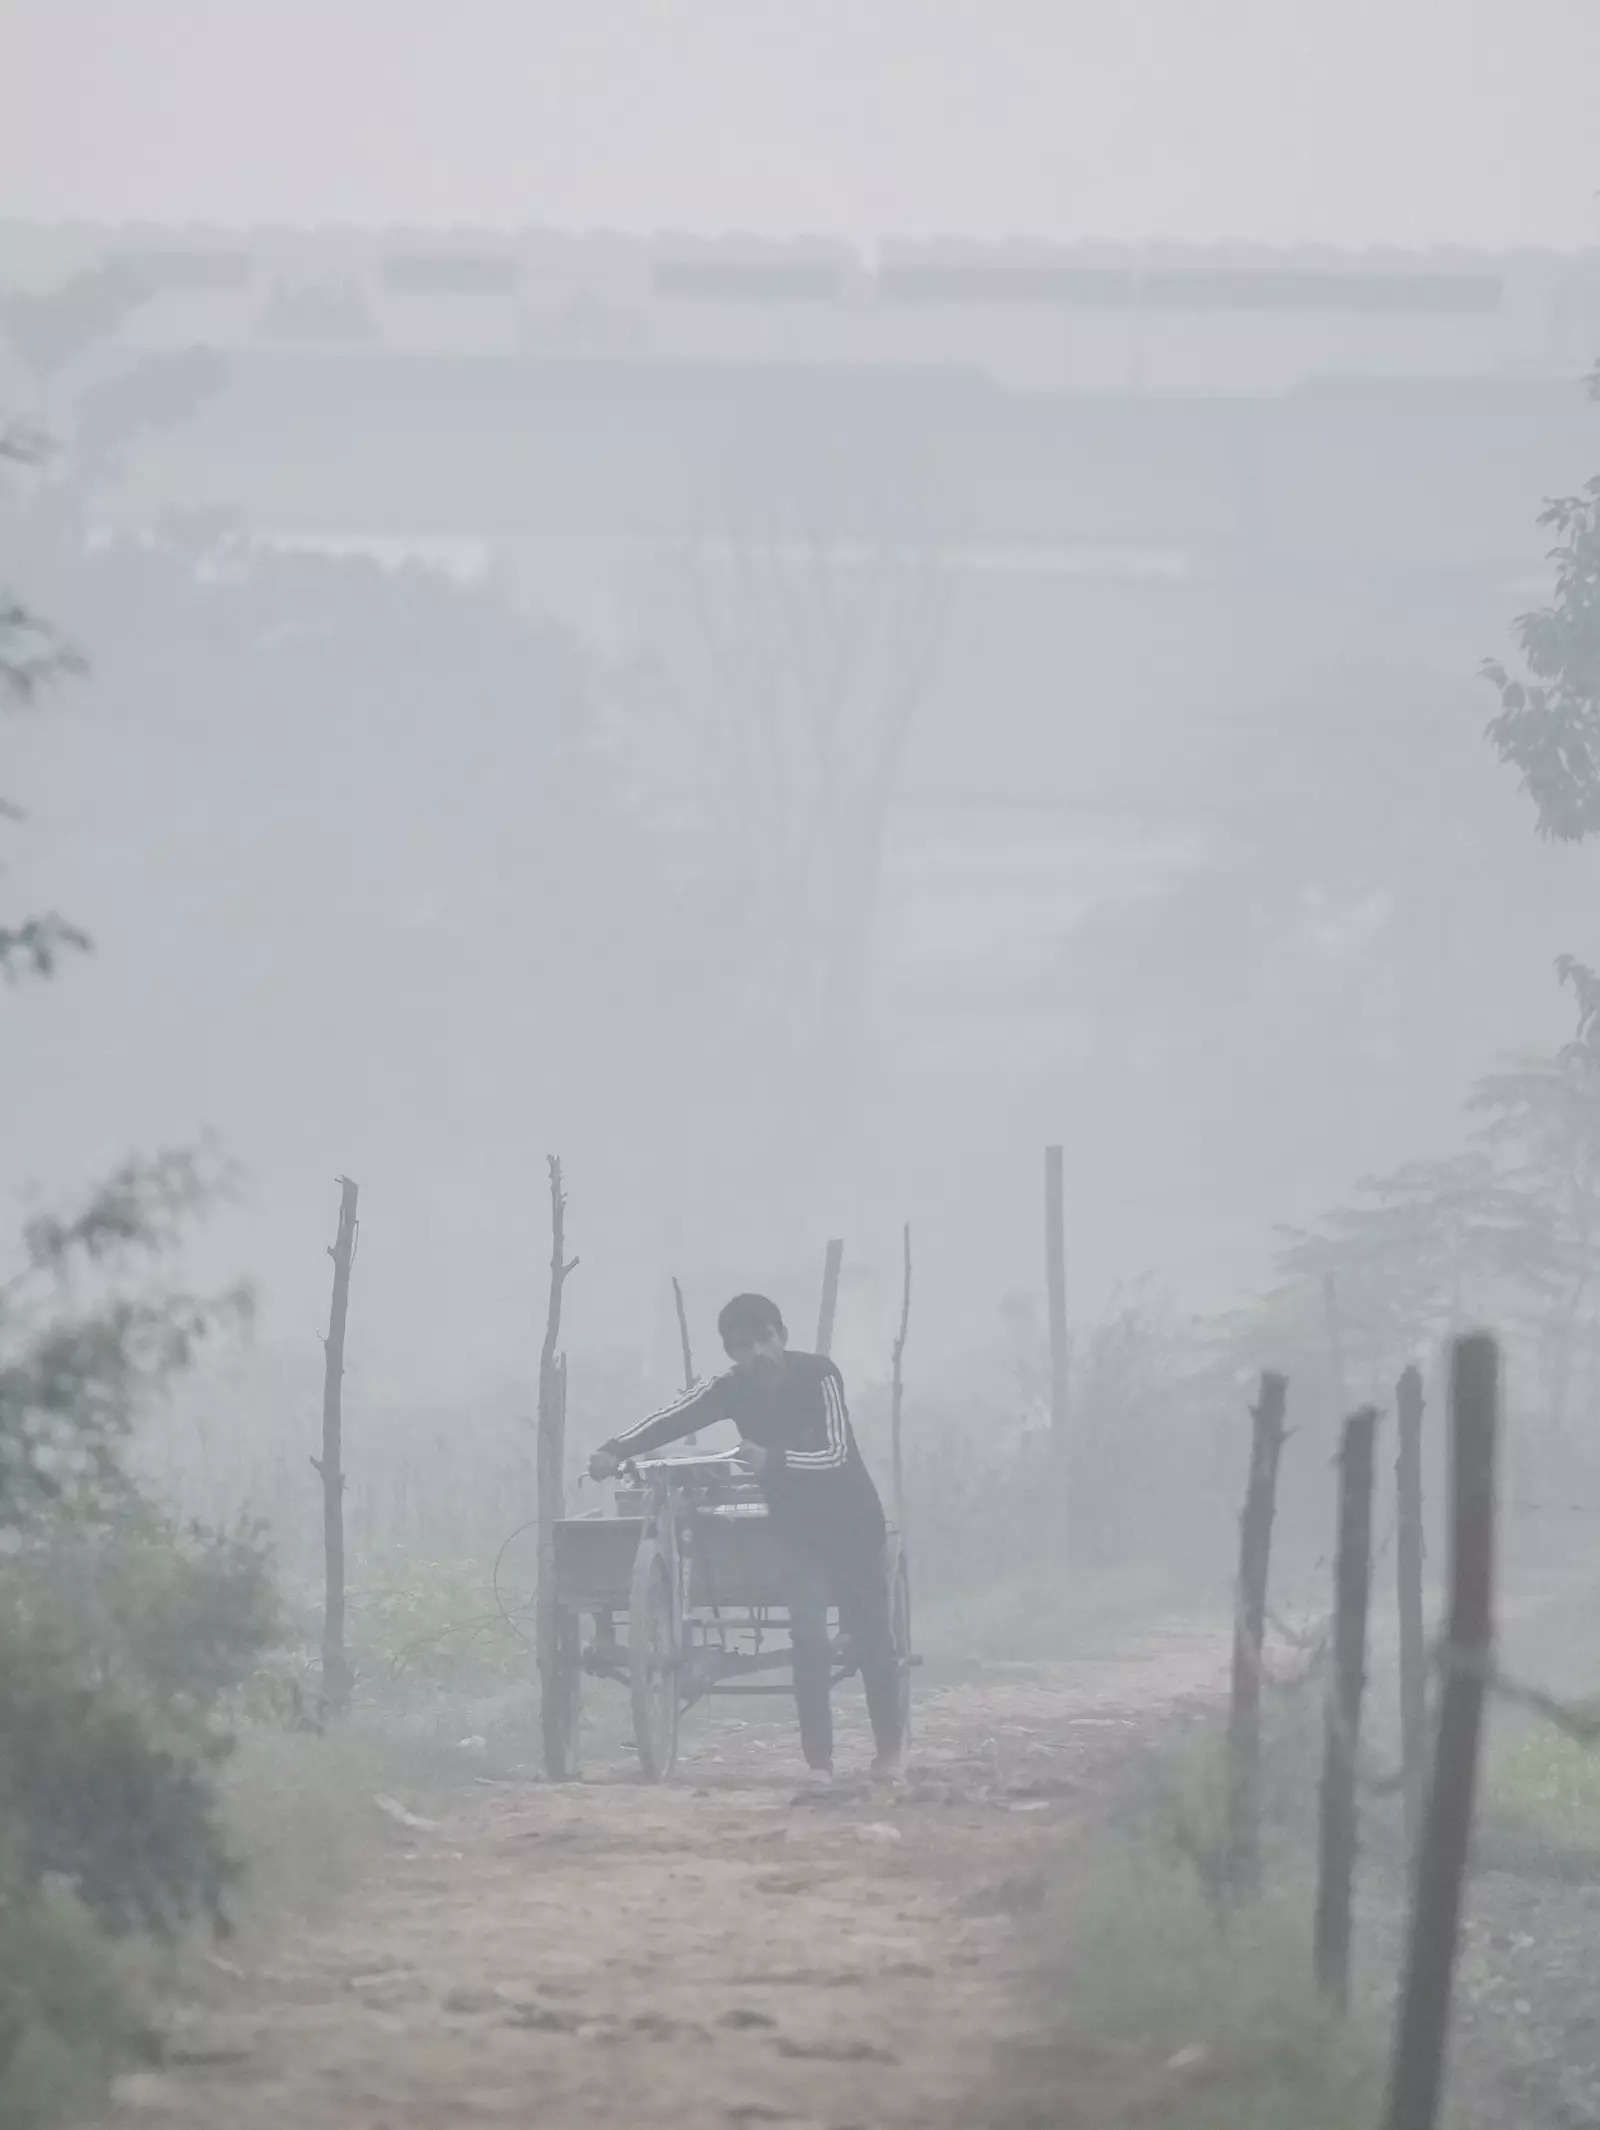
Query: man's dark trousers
(850, 1571)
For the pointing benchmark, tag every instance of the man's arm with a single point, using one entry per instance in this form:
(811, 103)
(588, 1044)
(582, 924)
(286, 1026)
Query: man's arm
(697, 1408)
(833, 1445)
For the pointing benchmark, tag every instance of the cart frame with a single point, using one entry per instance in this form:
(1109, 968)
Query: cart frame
(688, 1567)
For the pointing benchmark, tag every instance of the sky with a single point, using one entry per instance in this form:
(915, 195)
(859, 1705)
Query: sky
(1348, 122)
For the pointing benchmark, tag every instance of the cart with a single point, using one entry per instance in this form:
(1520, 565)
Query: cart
(682, 1592)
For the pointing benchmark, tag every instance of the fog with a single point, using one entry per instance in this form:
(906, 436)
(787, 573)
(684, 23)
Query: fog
(1422, 122)
(829, 626)
(791, 736)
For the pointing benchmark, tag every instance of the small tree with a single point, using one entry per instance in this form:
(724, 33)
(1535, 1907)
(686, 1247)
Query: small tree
(1540, 1116)
(811, 616)
(1548, 726)
(120, 1636)
(51, 330)
(1548, 729)
(1404, 1259)
(32, 654)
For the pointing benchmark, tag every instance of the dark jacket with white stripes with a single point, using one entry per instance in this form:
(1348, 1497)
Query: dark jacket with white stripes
(816, 1482)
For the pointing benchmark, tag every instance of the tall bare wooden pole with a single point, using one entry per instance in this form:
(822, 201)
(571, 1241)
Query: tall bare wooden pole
(897, 1385)
(1336, 1851)
(550, 1474)
(1249, 1633)
(1408, 1579)
(830, 1295)
(1417, 2074)
(335, 1660)
(1055, 1272)
(683, 1336)
(683, 1341)
(1334, 1324)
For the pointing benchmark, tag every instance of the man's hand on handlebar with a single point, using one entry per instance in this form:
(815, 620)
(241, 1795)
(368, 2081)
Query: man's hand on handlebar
(603, 1465)
(752, 1456)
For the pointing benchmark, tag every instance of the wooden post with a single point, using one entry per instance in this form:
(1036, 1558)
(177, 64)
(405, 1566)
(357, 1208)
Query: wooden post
(336, 1679)
(683, 1336)
(830, 1296)
(683, 1341)
(549, 1471)
(1417, 2072)
(897, 1386)
(1055, 1271)
(1335, 1329)
(1408, 1577)
(1336, 1848)
(1249, 1632)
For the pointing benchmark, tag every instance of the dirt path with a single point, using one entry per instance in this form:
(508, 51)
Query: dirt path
(703, 1953)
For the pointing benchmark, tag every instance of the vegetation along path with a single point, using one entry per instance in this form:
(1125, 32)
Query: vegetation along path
(709, 1951)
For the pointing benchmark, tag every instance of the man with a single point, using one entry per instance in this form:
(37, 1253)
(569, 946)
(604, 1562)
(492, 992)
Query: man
(796, 1436)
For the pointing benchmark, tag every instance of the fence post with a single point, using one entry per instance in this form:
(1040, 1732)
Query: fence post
(1408, 1576)
(1417, 2072)
(1055, 1272)
(330, 1466)
(897, 1385)
(683, 1342)
(550, 1483)
(1336, 1847)
(683, 1336)
(1249, 1632)
(830, 1295)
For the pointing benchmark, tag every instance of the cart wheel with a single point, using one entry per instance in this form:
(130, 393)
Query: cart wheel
(653, 1662)
(900, 1623)
(560, 1681)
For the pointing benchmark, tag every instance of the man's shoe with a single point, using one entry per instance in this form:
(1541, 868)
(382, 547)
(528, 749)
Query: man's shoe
(815, 1782)
(889, 1768)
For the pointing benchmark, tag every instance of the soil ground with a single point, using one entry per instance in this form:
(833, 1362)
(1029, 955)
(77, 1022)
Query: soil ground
(704, 1952)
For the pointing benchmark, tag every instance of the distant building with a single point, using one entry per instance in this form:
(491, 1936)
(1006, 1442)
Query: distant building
(1084, 319)
(1165, 484)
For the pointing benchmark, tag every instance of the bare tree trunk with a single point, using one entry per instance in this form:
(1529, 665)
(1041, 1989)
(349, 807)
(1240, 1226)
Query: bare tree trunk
(683, 1341)
(821, 603)
(1055, 1268)
(335, 1660)
(830, 1296)
(1249, 1631)
(1408, 1576)
(898, 1386)
(1417, 2073)
(550, 1463)
(1336, 1849)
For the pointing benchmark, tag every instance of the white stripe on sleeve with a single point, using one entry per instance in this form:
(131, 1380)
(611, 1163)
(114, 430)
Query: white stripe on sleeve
(836, 1448)
(700, 1405)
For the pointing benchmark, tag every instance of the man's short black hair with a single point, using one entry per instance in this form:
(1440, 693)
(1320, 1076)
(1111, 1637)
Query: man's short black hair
(748, 1317)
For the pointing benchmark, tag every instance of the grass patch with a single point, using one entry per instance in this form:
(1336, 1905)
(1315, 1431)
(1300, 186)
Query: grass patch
(1546, 1786)
(298, 1813)
(1037, 1617)
(1178, 2021)
(1165, 2006)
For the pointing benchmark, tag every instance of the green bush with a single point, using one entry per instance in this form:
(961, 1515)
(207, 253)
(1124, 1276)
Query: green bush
(434, 1623)
(125, 1645)
(89, 1794)
(69, 2013)
(120, 1642)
